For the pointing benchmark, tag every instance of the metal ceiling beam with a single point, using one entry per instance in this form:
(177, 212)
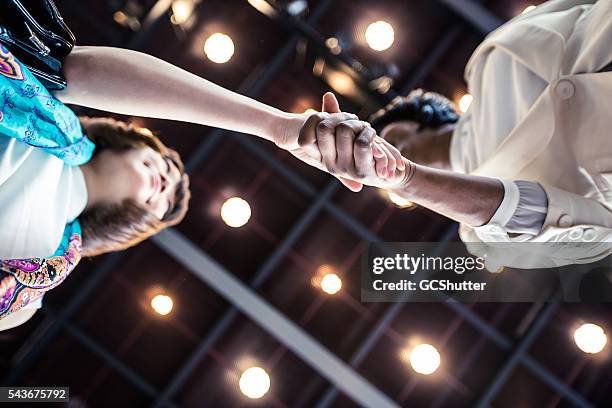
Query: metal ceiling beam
(298, 182)
(257, 309)
(232, 313)
(106, 356)
(475, 14)
(518, 355)
(374, 335)
(498, 381)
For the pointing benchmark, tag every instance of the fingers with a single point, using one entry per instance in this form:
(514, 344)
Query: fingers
(381, 162)
(391, 163)
(399, 160)
(352, 185)
(363, 155)
(376, 151)
(326, 138)
(308, 131)
(346, 135)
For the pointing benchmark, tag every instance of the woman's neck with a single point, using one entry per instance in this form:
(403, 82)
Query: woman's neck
(92, 181)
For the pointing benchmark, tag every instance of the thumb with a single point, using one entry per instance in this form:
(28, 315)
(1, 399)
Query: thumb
(352, 185)
(330, 103)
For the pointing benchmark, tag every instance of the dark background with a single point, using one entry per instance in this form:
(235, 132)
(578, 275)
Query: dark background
(97, 335)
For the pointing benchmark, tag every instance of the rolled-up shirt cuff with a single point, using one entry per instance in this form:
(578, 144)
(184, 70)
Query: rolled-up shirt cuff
(530, 213)
(522, 210)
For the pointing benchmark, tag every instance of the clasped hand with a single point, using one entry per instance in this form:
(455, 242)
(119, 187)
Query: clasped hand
(349, 149)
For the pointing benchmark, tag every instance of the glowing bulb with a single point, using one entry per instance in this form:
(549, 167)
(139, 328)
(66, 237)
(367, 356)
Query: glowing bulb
(120, 17)
(380, 35)
(590, 338)
(263, 7)
(311, 110)
(146, 131)
(528, 9)
(235, 212)
(332, 42)
(162, 304)
(465, 102)
(219, 48)
(399, 201)
(331, 283)
(341, 82)
(425, 359)
(181, 11)
(254, 382)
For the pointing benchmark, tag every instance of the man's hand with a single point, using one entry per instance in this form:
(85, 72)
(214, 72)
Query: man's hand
(351, 151)
(347, 148)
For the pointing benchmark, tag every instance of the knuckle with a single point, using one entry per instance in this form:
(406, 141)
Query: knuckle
(324, 126)
(362, 145)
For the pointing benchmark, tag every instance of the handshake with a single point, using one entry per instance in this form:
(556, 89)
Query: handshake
(347, 148)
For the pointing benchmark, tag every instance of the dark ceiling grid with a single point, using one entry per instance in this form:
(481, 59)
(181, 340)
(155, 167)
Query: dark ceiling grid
(50, 327)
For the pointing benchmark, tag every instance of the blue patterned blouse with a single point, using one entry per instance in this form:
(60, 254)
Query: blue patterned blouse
(29, 113)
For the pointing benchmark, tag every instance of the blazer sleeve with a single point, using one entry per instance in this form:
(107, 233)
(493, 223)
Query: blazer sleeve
(576, 230)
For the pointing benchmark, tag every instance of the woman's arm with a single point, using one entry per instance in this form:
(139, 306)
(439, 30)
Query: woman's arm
(133, 83)
(464, 198)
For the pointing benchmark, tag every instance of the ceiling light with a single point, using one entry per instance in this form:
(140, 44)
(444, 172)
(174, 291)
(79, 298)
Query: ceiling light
(424, 359)
(235, 212)
(254, 382)
(219, 48)
(263, 7)
(162, 304)
(590, 338)
(399, 201)
(380, 35)
(181, 11)
(341, 82)
(331, 284)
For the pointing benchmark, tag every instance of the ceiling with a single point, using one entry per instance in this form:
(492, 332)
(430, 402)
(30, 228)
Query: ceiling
(97, 333)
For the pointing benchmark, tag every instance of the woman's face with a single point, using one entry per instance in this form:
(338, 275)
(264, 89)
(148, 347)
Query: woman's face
(144, 176)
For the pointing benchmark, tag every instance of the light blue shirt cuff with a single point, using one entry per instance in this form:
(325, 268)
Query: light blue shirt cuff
(522, 210)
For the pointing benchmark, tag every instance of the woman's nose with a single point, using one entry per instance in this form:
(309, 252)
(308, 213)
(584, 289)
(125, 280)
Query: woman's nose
(164, 183)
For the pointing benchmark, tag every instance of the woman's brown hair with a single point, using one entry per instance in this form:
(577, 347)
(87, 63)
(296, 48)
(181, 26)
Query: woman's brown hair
(109, 228)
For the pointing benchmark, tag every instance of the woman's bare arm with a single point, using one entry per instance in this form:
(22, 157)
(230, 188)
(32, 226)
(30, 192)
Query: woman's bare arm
(133, 83)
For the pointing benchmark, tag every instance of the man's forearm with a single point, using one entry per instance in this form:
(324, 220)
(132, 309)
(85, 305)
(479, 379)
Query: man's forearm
(133, 83)
(462, 197)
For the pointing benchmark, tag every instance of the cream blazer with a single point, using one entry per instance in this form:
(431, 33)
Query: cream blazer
(564, 142)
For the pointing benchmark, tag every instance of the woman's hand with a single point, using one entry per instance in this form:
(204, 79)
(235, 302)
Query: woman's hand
(347, 148)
